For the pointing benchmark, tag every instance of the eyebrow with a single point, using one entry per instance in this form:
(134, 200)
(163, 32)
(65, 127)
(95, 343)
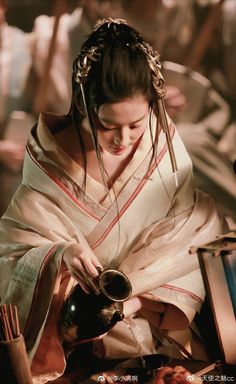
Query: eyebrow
(114, 123)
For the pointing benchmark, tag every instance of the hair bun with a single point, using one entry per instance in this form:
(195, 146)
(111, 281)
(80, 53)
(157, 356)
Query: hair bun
(109, 21)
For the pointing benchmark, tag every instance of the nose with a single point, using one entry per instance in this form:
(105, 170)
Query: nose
(124, 136)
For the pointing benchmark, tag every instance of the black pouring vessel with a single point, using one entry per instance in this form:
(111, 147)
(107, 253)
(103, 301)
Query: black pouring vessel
(85, 317)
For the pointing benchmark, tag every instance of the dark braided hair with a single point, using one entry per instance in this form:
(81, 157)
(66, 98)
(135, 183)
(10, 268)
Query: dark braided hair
(115, 63)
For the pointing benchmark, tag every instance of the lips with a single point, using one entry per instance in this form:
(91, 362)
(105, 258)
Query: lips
(120, 149)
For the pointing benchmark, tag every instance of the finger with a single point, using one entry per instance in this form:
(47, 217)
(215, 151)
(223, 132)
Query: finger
(92, 266)
(83, 285)
(91, 282)
(86, 261)
(88, 282)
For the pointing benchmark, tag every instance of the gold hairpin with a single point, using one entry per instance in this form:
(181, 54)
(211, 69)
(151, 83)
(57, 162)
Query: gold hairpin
(84, 63)
(108, 21)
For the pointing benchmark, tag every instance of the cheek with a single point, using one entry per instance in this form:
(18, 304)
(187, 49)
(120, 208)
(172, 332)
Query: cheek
(139, 132)
(106, 138)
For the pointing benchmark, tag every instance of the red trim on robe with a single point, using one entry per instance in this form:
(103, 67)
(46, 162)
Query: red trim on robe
(182, 290)
(62, 187)
(135, 193)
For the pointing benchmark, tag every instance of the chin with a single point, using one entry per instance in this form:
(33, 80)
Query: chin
(120, 153)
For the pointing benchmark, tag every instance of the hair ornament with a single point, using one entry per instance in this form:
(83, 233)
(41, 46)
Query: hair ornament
(108, 21)
(84, 62)
(153, 60)
(92, 52)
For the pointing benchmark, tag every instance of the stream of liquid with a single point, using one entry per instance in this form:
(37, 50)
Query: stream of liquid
(142, 360)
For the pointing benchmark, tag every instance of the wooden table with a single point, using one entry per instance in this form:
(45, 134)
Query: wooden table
(93, 371)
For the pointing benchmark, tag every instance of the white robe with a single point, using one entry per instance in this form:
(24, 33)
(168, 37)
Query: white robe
(146, 232)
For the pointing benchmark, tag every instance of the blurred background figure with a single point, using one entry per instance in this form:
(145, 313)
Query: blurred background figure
(197, 41)
(35, 65)
(55, 42)
(15, 61)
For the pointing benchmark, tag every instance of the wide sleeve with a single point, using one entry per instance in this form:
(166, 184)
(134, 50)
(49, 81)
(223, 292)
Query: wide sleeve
(162, 253)
(34, 234)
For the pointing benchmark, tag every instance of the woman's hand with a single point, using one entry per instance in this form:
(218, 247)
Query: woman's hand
(83, 265)
(153, 311)
(132, 306)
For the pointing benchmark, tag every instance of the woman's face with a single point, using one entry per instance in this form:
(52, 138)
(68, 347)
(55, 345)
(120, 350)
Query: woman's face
(120, 125)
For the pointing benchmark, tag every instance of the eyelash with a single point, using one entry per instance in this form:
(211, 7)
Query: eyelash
(107, 129)
(112, 129)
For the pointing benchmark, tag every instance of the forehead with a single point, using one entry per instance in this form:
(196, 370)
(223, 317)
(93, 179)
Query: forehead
(132, 109)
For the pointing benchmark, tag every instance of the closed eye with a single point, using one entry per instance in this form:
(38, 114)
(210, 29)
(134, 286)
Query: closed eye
(107, 128)
(135, 126)
(114, 128)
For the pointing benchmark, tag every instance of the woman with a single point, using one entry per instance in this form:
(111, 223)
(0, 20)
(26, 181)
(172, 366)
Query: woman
(98, 190)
